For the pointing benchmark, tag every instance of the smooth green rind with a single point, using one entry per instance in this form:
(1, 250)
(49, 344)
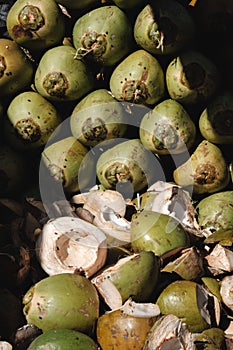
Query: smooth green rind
(113, 29)
(138, 285)
(139, 78)
(167, 129)
(156, 232)
(180, 298)
(62, 301)
(63, 339)
(61, 77)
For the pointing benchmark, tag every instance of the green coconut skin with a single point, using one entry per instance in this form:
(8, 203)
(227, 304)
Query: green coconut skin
(167, 129)
(97, 117)
(32, 120)
(63, 159)
(61, 77)
(216, 120)
(180, 299)
(36, 25)
(62, 301)
(166, 33)
(63, 339)
(192, 78)
(138, 78)
(206, 171)
(156, 232)
(105, 34)
(216, 211)
(141, 284)
(127, 161)
(16, 70)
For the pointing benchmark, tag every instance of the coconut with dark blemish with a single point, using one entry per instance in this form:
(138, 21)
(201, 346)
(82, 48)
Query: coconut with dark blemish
(192, 77)
(64, 300)
(139, 79)
(36, 25)
(103, 34)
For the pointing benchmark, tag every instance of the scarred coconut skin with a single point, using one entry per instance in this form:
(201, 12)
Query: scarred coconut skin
(105, 34)
(127, 327)
(37, 25)
(138, 78)
(62, 301)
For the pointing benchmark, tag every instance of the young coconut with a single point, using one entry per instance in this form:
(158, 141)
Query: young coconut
(62, 161)
(167, 129)
(216, 120)
(206, 171)
(36, 24)
(64, 300)
(192, 303)
(164, 27)
(63, 339)
(192, 78)
(127, 327)
(60, 77)
(127, 162)
(70, 244)
(98, 117)
(157, 232)
(133, 276)
(16, 70)
(31, 120)
(104, 34)
(139, 79)
(215, 211)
